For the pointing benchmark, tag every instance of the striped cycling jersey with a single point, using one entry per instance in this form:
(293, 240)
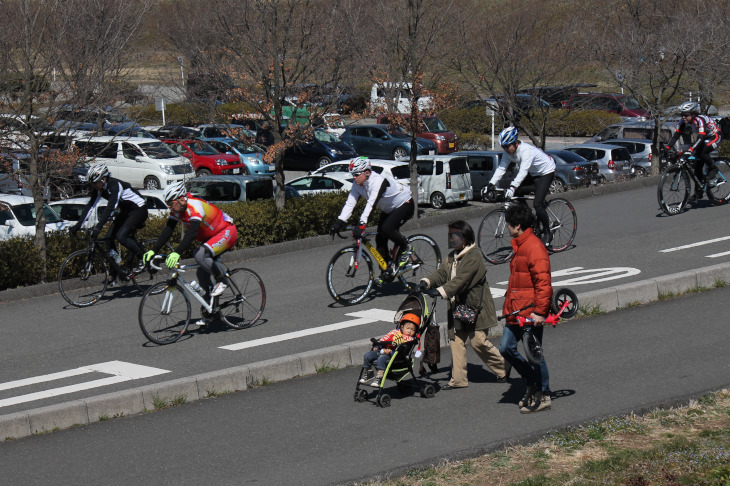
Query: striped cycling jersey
(707, 130)
(212, 220)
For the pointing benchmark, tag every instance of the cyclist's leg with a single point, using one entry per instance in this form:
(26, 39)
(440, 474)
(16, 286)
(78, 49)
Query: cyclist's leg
(391, 223)
(704, 155)
(221, 242)
(134, 220)
(542, 187)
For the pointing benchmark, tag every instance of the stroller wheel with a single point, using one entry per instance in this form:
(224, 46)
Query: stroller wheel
(360, 395)
(384, 400)
(429, 391)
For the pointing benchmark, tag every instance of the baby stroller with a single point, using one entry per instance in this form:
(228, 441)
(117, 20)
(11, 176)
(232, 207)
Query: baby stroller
(400, 367)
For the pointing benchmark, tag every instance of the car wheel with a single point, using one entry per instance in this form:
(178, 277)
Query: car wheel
(152, 183)
(641, 172)
(203, 173)
(399, 152)
(557, 186)
(438, 201)
(323, 161)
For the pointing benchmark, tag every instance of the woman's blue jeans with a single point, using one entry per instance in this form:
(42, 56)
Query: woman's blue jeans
(534, 375)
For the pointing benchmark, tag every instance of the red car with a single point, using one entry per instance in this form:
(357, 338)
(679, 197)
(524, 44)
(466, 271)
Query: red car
(431, 128)
(207, 160)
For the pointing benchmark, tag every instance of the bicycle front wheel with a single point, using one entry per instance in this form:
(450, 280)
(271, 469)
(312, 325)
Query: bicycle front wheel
(673, 190)
(149, 276)
(164, 313)
(348, 281)
(718, 189)
(563, 223)
(82, 278)
(494, 239)
(245, 299)
(425, 259)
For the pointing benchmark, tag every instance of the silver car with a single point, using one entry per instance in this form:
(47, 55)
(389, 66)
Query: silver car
(640, 151)
(614, 162)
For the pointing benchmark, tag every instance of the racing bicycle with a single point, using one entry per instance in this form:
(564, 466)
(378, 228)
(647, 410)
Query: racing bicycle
(674, 187)
(85, 274)
(564, 306)
(495, 241)
(165, 310)
(350, 274)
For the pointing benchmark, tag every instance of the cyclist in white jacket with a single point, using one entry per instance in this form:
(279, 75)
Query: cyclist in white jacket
(394, 200)
(535, 167)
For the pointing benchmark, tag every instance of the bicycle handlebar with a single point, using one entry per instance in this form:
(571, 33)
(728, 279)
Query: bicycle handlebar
(350, 228)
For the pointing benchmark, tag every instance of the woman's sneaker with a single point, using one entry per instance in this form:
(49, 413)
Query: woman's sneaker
(368, 375)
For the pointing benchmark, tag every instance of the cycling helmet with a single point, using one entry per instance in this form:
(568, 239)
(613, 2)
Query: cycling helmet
(359, 165)
(174, 191)
(97, 173)
(508, 136)
(689, 107)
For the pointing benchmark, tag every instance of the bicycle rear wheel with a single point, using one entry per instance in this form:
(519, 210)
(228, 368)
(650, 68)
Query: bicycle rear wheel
(345, 283)
(245, 299)
(425, 259)
(673, 190)
(563, 223)
(164, 313)
(494, 239)
(82, 278)
(718, 189)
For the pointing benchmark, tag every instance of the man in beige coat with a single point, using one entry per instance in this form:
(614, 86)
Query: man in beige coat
(461, 279)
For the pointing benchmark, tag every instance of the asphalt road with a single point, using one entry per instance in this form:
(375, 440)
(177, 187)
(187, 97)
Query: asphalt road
(623, 232)
(309, 431)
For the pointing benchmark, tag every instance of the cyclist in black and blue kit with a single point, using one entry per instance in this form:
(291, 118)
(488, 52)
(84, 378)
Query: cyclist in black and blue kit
(131, 216)
(709, 137)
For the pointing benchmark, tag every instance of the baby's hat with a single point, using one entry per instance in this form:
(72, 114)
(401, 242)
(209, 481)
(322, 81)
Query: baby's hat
(411, 317)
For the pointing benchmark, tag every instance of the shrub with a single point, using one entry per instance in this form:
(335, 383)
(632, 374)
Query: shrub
(473, 120)
(474, 141)
(724, 149)
(187, 114)
(578, 123)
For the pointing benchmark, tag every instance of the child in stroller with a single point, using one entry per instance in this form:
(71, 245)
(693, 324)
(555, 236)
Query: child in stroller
(398, 349)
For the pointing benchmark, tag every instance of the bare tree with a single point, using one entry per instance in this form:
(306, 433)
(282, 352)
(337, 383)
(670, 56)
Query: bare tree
(60, 52)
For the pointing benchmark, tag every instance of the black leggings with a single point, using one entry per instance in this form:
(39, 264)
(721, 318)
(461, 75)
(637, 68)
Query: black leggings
(123, 227)
(541, 186)
(389, 228)
(703, 159)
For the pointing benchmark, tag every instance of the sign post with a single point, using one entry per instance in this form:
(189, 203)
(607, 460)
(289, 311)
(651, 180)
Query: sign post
(160, 106)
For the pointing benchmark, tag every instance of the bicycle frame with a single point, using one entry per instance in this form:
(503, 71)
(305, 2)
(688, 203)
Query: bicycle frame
(683, 165)
(378, 257)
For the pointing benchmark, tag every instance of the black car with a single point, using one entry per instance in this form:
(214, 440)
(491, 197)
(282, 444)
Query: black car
(321, 150)
(572, 171)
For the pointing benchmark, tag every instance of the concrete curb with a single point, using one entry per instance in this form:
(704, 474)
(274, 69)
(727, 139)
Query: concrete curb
(161, 395)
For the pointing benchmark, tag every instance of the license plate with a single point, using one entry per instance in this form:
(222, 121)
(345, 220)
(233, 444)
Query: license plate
(451, 144)
(593, 181)
(431, 152)
(461, 196)
(236, 171)
(271, 168)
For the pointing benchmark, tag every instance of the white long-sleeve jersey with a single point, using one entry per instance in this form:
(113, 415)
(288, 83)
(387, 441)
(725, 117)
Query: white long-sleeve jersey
(529, 159)
(395, 196)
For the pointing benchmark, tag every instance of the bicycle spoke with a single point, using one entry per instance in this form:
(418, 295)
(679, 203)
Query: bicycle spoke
(164, 313)
(82, 278)
(563, 223)
(346, 283)
(493, 237)
(246, 299)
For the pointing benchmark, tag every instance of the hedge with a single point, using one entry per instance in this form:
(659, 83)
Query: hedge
(258, 222)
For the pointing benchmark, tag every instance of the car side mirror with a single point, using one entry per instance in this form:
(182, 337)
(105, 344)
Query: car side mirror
(384, 137)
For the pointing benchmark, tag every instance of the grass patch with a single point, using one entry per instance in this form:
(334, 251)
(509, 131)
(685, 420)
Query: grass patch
(655, 449)
(259, 383)
(215, 393)
(634, 303)
(590, 311)
(327, 367)
(667, 295)
(44, 431)
(161, 403)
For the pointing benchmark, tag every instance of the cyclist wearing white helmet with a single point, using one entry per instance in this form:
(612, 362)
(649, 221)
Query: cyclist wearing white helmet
(132, 214)
(394, 200)
(204, 222)
(709, 137)
(534, 167)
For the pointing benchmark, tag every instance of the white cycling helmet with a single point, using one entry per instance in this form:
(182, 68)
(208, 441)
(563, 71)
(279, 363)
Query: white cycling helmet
(359, 165)
(97, 172)
(174, 191)
(689, 107)
(508, 136)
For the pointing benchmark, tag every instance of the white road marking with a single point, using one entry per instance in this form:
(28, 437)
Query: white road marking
(120, 370)
(593, 275)
(693, 245)
(363, 317)
(717, 255)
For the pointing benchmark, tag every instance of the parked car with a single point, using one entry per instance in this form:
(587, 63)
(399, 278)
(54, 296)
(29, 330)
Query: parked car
(621, 104)
(637, 130)
(230, 188)
(400, 95)
(251, 155)
(444, 179)
(320, 184)
(431, 128)
(400, 171)
(572, 171)
(323, 149)
(143, 162)
(15, 173)
(640, 151)
(482, 164)
(219, 131)
(614, 162)
(175, 132)
(206, 159)
(384, 142)
(17, 217)
(330, 122)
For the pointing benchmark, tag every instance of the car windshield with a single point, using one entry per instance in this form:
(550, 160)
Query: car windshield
(244, 149)
(117, 117)
(396, 132)
(25, 213)
(202, 148)
(326, 137)
(570, 157)
(631, 103)
(434, 125)
(157, 150)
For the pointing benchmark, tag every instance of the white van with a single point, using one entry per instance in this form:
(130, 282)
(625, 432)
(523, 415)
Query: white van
(443, 179)
(143, 162)
(401, 94)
